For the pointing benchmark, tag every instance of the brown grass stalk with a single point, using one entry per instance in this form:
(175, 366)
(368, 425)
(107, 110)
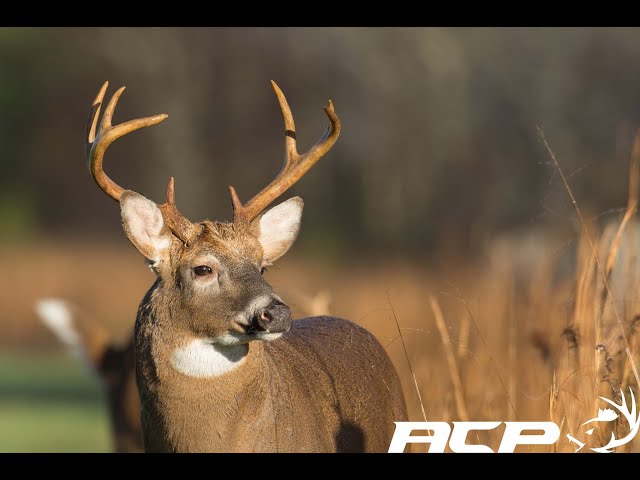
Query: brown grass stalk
(454, 372)
(632, 207)
(633, 339)
(406, 354)
(486, 350)
(553, 404)
(512, 355)
(463, 336)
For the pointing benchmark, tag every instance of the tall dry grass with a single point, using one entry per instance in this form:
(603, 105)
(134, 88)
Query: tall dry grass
(600, 315)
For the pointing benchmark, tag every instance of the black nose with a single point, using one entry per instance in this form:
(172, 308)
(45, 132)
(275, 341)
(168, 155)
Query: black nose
(274, 318)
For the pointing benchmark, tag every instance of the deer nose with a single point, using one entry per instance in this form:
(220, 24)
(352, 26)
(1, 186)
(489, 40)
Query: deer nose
(274, 318)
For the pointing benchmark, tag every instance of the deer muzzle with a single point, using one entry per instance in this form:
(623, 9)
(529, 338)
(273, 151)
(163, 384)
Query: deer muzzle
(274, 318)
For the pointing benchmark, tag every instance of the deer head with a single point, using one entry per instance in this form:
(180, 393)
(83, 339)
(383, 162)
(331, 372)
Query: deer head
(209, 273)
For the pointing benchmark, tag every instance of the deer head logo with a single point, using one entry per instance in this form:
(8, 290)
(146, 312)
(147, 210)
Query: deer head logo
(609, 415)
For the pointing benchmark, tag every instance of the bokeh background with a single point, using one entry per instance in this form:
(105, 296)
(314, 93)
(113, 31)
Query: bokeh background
(438, 192)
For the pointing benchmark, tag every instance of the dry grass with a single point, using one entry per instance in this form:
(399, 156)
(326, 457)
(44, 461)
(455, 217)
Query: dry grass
(606, 369)
(497, 339)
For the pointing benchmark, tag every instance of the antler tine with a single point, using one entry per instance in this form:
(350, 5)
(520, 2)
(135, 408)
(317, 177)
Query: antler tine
(291, 150)
(177, 223)
(171, 191)
(92, 122)
(239, 212)
(295, 165)
(98, 142)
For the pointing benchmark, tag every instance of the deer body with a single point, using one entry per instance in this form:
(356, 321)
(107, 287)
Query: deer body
(220, 365)
(301, 393)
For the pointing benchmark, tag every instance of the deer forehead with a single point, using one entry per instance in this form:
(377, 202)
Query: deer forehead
(224, 241)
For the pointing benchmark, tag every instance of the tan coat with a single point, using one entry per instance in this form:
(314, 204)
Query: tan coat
(326, 386)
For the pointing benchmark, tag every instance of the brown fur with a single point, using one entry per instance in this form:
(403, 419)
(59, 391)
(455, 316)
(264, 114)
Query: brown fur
(117, 370)
(326, 386)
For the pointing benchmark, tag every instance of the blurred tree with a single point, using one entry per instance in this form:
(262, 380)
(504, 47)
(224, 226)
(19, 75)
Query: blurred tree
(439, 125)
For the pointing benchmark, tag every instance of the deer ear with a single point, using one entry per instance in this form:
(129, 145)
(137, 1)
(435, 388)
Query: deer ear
(278, 228)
(143, 223)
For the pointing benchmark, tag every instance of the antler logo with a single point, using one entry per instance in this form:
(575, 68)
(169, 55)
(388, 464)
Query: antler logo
(608, 415)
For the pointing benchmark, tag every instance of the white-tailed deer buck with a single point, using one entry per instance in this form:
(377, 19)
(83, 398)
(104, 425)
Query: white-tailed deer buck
(220, 365)
(114, 364)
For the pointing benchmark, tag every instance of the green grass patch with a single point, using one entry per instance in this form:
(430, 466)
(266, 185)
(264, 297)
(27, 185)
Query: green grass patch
(50, 403)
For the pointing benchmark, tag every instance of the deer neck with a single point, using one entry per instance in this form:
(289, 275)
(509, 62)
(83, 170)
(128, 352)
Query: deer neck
(193, 390)
(182, 358)
(203, 358)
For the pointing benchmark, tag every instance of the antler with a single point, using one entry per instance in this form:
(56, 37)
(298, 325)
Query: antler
(97, 143)
(295, 165)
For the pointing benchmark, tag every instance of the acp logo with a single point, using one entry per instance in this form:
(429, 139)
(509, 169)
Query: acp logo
(441, 433)
(608, 415)
(457, 438)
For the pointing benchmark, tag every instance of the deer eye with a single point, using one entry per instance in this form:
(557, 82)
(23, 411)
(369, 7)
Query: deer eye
(262, 270)
(202, 270)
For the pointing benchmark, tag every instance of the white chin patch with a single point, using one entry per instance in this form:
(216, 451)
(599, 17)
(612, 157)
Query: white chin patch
(234, 338)
(267, 337)
(201, 358)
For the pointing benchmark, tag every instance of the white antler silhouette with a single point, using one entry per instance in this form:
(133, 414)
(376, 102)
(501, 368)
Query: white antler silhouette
(604, 415)
(632, 418)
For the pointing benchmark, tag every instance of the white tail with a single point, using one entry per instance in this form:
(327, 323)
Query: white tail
(56, 315)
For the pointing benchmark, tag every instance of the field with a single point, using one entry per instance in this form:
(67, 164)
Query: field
(48, 403)
(526, 332)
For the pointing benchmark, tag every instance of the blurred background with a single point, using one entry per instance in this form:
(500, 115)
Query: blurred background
(438, 196)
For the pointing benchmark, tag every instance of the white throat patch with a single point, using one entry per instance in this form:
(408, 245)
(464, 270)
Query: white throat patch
(200, 358)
